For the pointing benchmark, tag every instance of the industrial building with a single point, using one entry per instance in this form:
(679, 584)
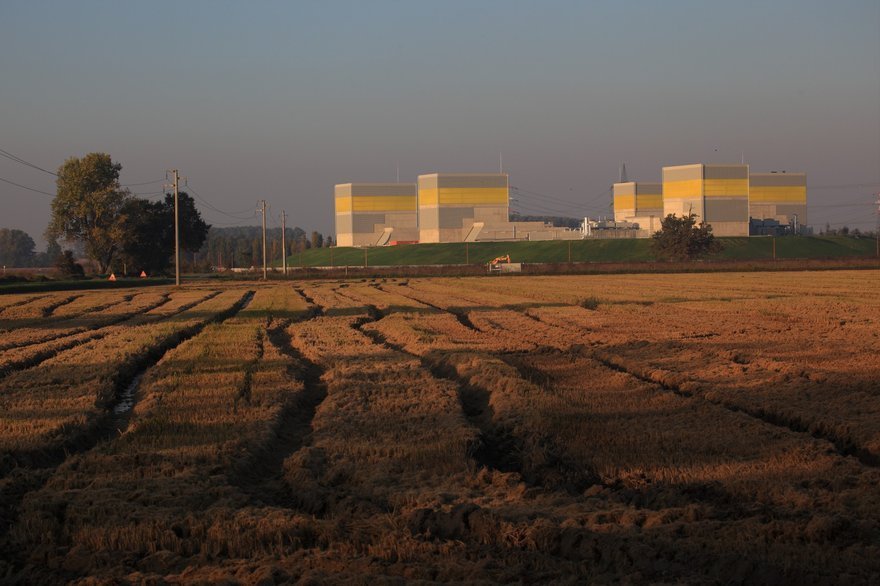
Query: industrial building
(474, 207)
(779, 196)
(441, 207)
(639, 203)
(717, 194)
(456, 207)
(376, 214)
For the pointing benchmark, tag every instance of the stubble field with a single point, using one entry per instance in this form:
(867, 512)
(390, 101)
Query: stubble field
(640, 428)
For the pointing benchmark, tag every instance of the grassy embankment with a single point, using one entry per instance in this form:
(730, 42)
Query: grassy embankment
(622, 250)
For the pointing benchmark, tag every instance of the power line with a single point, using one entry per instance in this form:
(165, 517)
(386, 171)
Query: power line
(842, 186)
(233, 215)
(19, 160)
(139, 184)
(545, 196)
(26, 187)
(840, 205)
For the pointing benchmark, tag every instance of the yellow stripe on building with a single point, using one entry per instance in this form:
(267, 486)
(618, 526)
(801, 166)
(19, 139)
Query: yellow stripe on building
(428, 197)
(624, 202)
(781, 194)
(683, 188)
(343, 205)
(726, 187)
(648, 201)
(383, 203)
(469, 196)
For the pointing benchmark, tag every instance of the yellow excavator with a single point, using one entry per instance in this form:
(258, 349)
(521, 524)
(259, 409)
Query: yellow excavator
(495, 263)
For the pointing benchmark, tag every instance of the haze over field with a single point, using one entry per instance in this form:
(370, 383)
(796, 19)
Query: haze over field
(282, 100)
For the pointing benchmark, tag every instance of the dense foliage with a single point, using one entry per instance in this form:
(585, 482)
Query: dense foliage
(242, 246)
(88, 205)
(148, 232)
(16, 248)
(682, 239)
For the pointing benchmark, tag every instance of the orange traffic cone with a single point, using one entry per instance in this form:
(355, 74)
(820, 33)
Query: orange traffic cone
(112, 277)
(143, 274)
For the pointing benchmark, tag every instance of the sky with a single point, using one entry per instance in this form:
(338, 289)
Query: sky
(282, 100)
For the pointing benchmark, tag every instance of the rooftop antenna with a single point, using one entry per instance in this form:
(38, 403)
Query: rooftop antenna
(398, 171)
(500, 164)
(623, 177)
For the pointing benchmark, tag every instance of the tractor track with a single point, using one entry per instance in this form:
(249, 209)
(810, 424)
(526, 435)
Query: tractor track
(843, 446)
(87, 335)
(261, 476)
(459, 314)
(32, 469)
(498, 449)
(75, 330)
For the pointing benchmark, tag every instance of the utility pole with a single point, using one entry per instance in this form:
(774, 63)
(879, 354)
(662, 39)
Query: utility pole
(877, 229)
(262, 209)
(283, 239)
(175, 180)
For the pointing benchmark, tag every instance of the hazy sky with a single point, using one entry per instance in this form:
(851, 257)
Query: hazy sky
(281, 100)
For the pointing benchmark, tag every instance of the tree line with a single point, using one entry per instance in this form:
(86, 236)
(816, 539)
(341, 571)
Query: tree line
(120, 232)
(242, 247)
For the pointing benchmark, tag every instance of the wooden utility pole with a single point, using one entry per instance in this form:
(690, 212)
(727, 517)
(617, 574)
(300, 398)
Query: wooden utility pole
(283, 239)
(877, 229)
(175, 180)
(262, 209)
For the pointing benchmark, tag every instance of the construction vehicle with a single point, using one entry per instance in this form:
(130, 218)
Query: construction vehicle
(495, 263)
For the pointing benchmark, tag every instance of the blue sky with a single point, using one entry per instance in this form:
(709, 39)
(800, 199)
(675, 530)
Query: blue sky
(280, 100)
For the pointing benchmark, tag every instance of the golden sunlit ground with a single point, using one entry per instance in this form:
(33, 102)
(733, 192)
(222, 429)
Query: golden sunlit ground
(696, 428)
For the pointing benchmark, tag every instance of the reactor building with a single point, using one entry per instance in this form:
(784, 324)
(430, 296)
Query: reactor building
(717, 194)
(639, 203)
(473, 207)
(779, 196)
(456, 207)
(376, 214)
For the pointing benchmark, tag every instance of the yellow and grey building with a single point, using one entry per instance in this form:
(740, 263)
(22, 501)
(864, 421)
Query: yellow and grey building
(457, 207)
(374, 214)
(778, 196)
(717, 194)
(639, 203)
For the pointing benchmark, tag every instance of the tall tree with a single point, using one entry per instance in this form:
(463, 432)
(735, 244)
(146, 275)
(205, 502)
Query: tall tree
(87, 206)
(148, 237)
(317, 239)
(148, 231)
(193, 230)
(16, 248)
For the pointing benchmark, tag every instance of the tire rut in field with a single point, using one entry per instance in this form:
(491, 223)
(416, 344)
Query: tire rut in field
(50, 309)
(36, 465)
(497, 449)
(96, 334)
(261, 476)
(21, 302)
(460, 314)
(844, 446)
(314, 308)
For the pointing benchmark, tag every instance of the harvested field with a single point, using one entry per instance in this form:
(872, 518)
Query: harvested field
(640, 428)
